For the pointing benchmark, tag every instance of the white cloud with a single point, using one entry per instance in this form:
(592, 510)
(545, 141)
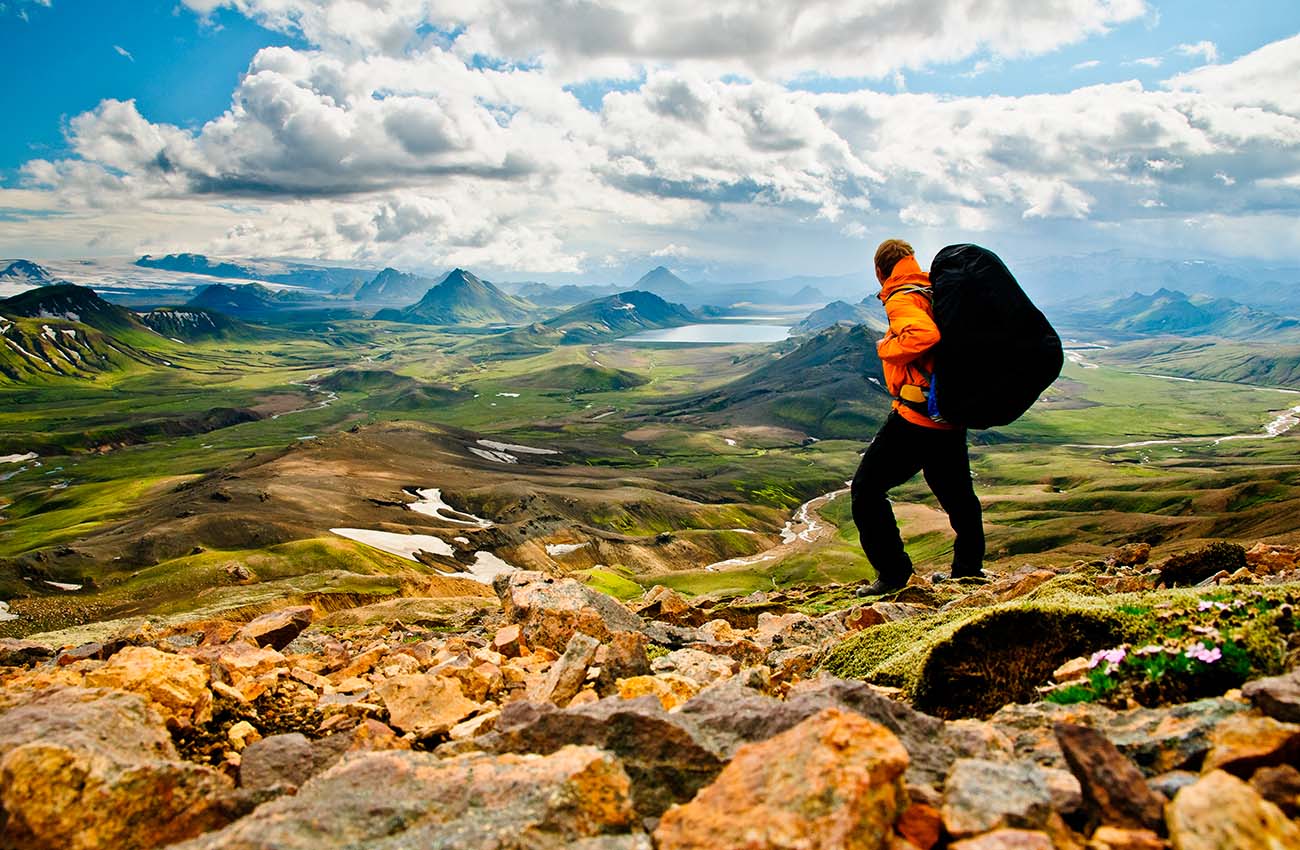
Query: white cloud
(612, 38)
(355, 150)
(122, 51)
(1147, 62)
(1206, 50)
(1086, 66)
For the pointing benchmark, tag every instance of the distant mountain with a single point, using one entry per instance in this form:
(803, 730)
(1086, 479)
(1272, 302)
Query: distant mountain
(618, 315)
(838, 312)
(26, 273)
(665, 284)
(393, 287)
(64, 330)
(827, 386)
(324, 279)
(194, 325)
(604, 318)
(808, 295)
(578, 378)
(461, 299)
(545, 295)
(74, 304)
(245, 299)
(1175, 313)
(196, 264)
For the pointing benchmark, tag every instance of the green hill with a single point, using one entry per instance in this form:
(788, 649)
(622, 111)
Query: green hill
(827, 386)
(1272, 366)
(195, 325)
(73, 303)
(461, 299)
(392, 391)
(618, 315)
(582, 378)
(42, 348)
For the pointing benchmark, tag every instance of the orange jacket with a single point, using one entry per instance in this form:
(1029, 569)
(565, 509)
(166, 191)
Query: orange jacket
(906, 354)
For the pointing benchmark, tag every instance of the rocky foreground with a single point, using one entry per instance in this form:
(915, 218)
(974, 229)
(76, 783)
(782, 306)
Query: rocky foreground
(555, 717)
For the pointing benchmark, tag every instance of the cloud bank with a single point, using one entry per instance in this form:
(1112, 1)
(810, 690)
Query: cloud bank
(431, 133)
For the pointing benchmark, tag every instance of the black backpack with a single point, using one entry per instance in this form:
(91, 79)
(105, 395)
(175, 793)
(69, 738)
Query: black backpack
(996, 352)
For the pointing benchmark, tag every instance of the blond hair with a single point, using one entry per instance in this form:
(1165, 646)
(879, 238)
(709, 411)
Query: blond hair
(889, 253)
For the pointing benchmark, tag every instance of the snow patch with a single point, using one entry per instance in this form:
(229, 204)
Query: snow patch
(401, 545)
(497, 457)
(511, 447)
(63, 585)
(5, 613)
(508, 395)
(18, 458)
(431, 504)
(559, 549)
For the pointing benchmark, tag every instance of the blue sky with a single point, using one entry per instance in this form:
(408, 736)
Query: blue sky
(425, 138)
(61, 60)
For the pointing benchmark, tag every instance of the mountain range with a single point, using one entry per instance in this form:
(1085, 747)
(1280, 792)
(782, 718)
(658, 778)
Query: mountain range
(462, 298)
(1168, 311)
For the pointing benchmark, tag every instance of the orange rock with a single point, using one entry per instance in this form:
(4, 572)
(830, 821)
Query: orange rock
(1242, 743)
(177, 686)
(833, 782)
(509, 640)
(1114, 838)
(921, 825)
(425, 704)
(1006, 839)
(670, 689)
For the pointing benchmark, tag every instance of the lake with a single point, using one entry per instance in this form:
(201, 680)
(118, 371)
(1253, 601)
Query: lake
(704, 333)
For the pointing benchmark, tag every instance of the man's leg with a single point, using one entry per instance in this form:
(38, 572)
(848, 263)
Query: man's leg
(947, 471)
(890, 460)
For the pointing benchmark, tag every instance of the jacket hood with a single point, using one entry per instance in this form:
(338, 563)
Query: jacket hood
(907, 272)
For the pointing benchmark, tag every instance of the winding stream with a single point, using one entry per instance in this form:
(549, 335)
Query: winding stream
(805, 527)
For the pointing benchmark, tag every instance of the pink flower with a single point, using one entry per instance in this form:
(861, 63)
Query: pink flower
(1202, 653)
(1110, 656)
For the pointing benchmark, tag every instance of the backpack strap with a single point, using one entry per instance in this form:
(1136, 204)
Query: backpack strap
(923, 290)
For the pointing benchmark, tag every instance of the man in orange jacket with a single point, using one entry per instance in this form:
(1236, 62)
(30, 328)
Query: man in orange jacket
(910, 441)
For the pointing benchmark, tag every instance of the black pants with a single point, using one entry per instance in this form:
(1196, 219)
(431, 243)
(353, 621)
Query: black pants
(898, 452)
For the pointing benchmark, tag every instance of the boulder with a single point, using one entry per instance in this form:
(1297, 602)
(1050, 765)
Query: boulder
(425, 704)
(622, 657)
(1114, 790)
(509, 640)
(1157, 740)
(1280, 786)
(84, 769)
(980, 796)
(1191, 568)
(278, 628)
(403, 799)
(570, 671)
(728, 715)
(665, 759)
(278, 760)
(701, 667)
(1131, 555)
(670, 689)
(1220, 812)
(174, 684)
(1242, 744)
(833, 782)
(1276, 696)
(550, 610)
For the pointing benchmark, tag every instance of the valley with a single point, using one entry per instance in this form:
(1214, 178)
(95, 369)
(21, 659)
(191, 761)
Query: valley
(285, 460)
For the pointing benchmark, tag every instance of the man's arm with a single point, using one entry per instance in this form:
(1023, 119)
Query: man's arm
(912, 330)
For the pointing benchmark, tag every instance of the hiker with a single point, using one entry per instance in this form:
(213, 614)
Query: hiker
(911, 441)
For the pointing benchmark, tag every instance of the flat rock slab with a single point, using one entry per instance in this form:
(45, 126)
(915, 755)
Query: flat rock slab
(981, 796)
(397, 800)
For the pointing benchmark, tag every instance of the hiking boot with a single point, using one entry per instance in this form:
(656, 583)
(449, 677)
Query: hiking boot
(882, 585)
